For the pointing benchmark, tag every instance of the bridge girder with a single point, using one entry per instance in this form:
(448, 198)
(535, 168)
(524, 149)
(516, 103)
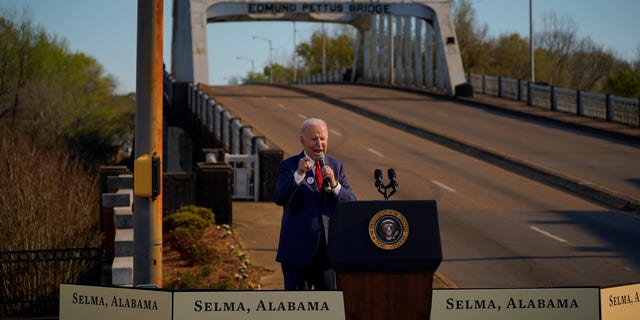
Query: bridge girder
(387, 63)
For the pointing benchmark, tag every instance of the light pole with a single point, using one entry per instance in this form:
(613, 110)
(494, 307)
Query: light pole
(295, 55)
(531, 44)
(324, 54)
(270, 50)
(250, 60)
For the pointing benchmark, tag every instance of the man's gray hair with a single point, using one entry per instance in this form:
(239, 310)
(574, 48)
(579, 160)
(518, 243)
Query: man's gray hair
(311, 122)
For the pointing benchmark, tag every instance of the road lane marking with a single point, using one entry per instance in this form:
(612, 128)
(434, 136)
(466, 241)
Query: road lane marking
(548, 234)
(443, 186)
(337, 133)
(377, 153)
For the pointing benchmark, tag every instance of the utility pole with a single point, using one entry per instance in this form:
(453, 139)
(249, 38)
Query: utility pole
(531, 44)
(324, 54)
(147, 236)
(270, 61)
(295, 55)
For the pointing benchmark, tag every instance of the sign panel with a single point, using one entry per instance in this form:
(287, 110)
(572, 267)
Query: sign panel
(620, 303)
(258, 305)
(97, 303)
(318, 7)
(497, 304)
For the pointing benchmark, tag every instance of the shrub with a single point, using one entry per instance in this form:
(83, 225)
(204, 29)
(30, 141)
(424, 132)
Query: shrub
(201, 253)
(189, 216)
(185, 228)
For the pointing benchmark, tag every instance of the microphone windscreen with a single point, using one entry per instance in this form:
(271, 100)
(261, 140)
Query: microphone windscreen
(391, 173)
(321, 159)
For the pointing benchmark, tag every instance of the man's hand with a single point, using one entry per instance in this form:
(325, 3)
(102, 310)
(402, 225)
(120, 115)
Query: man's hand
(305, 164)
(327, 175)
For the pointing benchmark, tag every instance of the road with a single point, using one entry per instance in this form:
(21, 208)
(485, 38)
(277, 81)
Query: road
(498, 229)
(591, 158)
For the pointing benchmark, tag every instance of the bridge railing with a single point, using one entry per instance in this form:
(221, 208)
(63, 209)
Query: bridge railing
(228, 131)
(252, 162)
(594, 105)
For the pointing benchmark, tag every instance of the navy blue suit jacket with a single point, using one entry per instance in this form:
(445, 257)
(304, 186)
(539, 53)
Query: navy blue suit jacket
(303, 208)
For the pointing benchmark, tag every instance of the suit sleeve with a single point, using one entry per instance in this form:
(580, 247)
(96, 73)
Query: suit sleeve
(286, 185)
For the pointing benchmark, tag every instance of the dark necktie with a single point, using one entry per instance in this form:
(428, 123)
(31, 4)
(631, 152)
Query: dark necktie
(318, 175)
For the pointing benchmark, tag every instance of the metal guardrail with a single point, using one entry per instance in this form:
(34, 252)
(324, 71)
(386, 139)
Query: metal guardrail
(594, 105)
(599, 106)
(238, 140)
(214, 127)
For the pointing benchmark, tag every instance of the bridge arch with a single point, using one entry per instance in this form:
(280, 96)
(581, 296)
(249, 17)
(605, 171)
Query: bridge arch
(399, 41)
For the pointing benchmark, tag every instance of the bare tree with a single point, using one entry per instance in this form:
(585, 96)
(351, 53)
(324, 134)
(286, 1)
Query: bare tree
(472, 38)
(558, 39)
(589, 66)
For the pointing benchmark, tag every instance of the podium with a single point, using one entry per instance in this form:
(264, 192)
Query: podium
(384, 254)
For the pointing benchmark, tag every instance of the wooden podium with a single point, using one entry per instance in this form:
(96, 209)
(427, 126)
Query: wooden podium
(384, 254)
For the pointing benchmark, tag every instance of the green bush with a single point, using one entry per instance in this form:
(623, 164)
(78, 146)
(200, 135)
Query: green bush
(189, 216)
(185, 228)
(201, 253)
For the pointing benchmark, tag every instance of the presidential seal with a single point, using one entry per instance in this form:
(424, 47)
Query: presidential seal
(388, 229)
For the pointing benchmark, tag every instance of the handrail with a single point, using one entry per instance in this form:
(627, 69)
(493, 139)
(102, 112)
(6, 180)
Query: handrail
(600, 106)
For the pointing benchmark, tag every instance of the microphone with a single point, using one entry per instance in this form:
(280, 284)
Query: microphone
(393, 183)
(377, 174)
(392, 177)
(325, 182)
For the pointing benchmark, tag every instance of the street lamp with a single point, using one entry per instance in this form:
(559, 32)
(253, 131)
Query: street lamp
(250, 60)
(295, 55)
(531, 44)
(270, 50)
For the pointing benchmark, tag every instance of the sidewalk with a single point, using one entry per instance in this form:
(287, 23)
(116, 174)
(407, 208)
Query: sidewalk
(258, 226)
(612, 129)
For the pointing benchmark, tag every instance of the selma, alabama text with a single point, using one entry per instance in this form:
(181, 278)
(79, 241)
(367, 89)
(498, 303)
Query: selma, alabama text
(624, 299)
(118, 302)
(279, 306)
(489, 304)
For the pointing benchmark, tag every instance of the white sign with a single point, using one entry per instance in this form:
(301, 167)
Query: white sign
(497, 304)
(97, 303)
(257, 305)
(620, 303)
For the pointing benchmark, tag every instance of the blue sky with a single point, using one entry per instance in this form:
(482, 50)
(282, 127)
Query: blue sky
(106, 30)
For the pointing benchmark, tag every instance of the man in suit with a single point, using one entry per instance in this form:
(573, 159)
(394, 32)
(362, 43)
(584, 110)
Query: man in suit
(308, 193)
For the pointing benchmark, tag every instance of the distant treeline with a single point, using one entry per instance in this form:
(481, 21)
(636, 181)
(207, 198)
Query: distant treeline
(562, 58)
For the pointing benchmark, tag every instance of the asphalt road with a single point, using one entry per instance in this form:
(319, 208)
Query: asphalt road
(594, 159)
(498, 229)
